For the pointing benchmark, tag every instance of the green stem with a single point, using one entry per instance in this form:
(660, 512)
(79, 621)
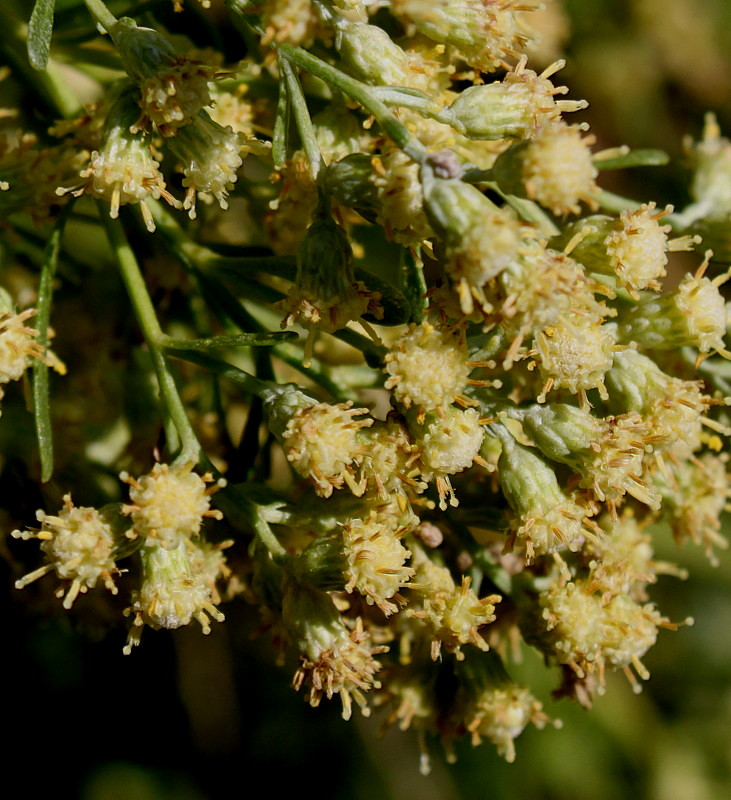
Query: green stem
(154, 337)
(416, 101)
(267, 538)
(102, 15)
(361, 93)
(302, 117)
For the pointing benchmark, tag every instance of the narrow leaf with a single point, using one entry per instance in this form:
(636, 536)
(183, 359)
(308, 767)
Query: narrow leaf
(234, 340)
(41, 402)
(40, 29)
(635, 158)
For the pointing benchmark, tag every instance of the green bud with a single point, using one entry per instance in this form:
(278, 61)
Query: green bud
(453, 207)
(561, 431)
(693, 315)
(338, 132)
(528, 481)
(325, 258)
(370, 53)
(143, 51)
(513, 108)
(348, 182)
(588, 237)
(322, 564)
(281, 404)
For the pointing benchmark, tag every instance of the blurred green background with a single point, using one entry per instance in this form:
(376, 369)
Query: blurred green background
(187, 717)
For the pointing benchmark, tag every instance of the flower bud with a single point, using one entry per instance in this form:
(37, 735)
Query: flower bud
(484, 32)
(428, 367)
(514, 108)
(575, 354)
(607, 453)
(490, 704)
(370, 54)
(18, 346)
(169, 504)
(711, 183)
(325, 295)
(449, 443)
(210, 159)
(693, 315)
(588, 635)
(694, 497)
(633, 246)
(546, 520)
(173, 88)
(376, 561)
(451, 615)
(333, 658)
(673, 408)
(348, 182)
(480, 239)
(339, 134)
(123, 170)
(178, 585)
(320, 440)
(540, 287)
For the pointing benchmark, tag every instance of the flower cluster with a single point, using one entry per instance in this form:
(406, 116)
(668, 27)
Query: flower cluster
(453, 401)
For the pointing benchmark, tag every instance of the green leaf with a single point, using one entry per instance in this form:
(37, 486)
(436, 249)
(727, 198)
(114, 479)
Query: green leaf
(40, 29)
(234, 340)
(41, 404)
(635, 158)
(281, 125)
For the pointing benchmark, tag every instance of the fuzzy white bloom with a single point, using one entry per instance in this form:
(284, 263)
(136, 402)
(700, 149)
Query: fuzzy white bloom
(124, 172)
(293, 21)
(169, 504)
(637, 248)
(334, 659)
(400, 198)
(587, 634)
(575, 354)
(452, 615)
(376, 560)
(500, 714)
(18, 345)
(79, 546)
(558, 170)
(702, 308)
(485, 32)
(448, 444)
(484, 250)
(321, 443)
(428, 367)
(517, 106)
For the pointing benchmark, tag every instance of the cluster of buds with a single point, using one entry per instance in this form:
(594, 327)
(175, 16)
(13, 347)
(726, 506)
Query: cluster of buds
(530, 406)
